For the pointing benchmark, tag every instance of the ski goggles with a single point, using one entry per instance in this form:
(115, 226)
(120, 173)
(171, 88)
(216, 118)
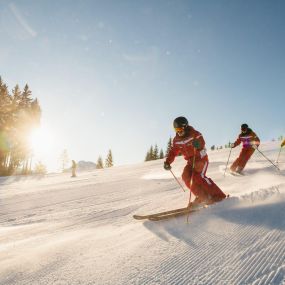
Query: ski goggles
(179, 130)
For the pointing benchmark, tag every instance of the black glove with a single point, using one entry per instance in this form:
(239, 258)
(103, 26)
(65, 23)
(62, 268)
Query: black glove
(196, 144)
(166, 165)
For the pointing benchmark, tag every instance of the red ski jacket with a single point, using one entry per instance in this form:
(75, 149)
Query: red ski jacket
(247, 139)
(183, 145)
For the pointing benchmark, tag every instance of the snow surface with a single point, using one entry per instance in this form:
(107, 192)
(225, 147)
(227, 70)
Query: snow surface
(61, 230)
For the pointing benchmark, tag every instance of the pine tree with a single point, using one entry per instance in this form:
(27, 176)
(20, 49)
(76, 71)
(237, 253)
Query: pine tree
(5, 106)
(16, 98)
(147, 157)
(36, 112)
(109, 159)
(19, 114)
(26, 99)
(151, 153)
(99, 164)
(161, 154)
(169, 144)
(40, 168)
(155, 152)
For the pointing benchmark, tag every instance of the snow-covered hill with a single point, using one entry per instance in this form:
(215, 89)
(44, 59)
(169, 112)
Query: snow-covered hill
(62, 230)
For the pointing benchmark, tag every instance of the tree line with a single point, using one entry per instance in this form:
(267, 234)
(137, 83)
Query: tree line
(154, 153)
(64, 161)
(108, 161)
(19, 115)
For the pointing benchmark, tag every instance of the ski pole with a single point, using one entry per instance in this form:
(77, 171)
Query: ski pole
(268, 159)
(193, 166)
(177, 180)
(191, 181)
(228, 162)
(278, 155)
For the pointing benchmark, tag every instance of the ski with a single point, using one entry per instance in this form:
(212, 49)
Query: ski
(174, 215)
(142, 217)
(236, 173)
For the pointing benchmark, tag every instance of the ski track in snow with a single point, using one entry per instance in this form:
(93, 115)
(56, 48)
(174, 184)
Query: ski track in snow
(58, 230)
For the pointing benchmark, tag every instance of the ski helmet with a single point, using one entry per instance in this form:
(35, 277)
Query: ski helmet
(244, 127)
(180, 122)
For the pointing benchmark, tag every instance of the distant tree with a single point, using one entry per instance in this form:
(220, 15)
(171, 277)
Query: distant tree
(19, 114)
(64, 160)
(161, 154)
(109, 159)
(155, 152)
(147, 157)
(26, 99)
(99, 164)
(16, 99)
(151, 152)
(5, 106)
(213, 147)
(169, 144)
(40, 168)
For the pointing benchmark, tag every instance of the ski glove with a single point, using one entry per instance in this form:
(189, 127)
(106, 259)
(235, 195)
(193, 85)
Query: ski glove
(283, 143)
(255, 145)
(232, 145)
(166, 165)
(196, 144)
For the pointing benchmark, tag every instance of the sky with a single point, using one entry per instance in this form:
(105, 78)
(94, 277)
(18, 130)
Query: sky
(114, 74)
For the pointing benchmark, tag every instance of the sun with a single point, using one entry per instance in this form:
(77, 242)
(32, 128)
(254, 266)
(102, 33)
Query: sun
(41, 141)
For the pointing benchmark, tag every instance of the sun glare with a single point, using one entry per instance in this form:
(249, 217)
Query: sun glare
(41, 141)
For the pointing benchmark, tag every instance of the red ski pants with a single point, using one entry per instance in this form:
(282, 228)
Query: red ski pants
(244, 156)
(201, 186)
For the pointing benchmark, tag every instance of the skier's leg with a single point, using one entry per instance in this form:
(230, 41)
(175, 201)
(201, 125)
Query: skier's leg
(235, 165)
(246, 154)
(206, 185)
(187, 176)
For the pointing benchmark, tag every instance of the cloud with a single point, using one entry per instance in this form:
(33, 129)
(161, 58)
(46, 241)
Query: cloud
(21, 20)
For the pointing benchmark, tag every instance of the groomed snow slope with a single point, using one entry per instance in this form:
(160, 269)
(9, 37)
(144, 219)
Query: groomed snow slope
(61, 230)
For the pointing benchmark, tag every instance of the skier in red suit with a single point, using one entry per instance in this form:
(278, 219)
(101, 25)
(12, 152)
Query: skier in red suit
(190, 143)
(250, 142)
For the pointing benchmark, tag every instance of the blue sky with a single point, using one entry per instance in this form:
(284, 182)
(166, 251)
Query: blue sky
(114, 74)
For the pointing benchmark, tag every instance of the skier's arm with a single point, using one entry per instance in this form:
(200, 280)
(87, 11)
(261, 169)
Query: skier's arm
(256, 140)
(237, 142)
(198, 141)
(173, 152)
